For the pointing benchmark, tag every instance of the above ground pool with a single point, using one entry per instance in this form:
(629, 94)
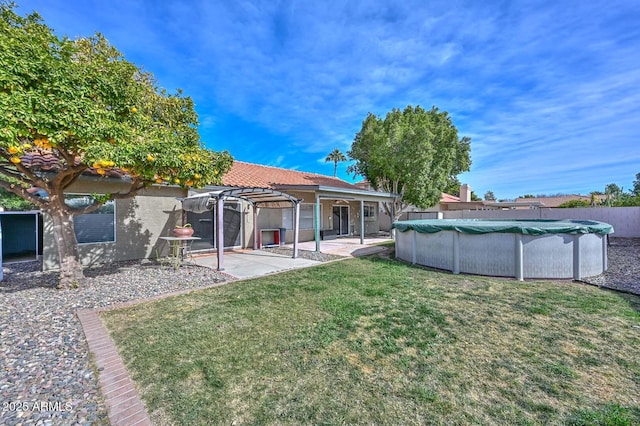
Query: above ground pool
(506, 248)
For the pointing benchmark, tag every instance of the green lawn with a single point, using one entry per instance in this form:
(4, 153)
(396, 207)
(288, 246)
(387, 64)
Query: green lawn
(374, 341)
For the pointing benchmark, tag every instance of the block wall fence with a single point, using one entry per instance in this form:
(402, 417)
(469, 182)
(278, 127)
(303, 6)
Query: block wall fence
(625, 220)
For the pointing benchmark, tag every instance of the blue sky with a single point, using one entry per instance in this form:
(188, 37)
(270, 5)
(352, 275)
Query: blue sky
(548, 91)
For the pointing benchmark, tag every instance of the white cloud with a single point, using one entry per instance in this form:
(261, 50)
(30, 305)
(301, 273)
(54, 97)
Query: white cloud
(548, 91)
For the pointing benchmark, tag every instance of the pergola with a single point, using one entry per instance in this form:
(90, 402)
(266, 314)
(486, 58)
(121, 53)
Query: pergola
(257, 197)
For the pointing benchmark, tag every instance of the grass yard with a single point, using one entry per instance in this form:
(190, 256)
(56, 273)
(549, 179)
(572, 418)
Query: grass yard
(375, 341)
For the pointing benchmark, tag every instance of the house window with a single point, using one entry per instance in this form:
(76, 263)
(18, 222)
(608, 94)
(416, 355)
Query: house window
(369, 211)
(306, 217)
(98, 226)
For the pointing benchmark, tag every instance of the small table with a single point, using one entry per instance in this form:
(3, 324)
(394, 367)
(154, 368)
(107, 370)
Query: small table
(178, 247)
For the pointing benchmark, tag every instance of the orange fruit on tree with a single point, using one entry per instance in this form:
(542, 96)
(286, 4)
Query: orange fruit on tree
(16, 160)
(13, 150)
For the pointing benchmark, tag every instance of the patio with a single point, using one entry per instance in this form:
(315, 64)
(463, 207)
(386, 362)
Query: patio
(254, 263)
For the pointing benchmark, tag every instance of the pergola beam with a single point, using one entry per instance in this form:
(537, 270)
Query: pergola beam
(257, 197)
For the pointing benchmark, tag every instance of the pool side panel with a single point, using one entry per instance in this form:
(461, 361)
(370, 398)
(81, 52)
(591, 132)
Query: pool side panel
(548, 256)
(404, 245)
(435, 250)
(591, 255)
(488, 254)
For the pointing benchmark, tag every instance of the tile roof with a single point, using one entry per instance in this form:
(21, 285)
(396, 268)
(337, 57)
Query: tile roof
(558, 200)
(242, 174)
(50, 163)
(259, 176)
(448, 198)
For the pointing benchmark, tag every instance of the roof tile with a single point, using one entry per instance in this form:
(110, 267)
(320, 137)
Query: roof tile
(259, 176)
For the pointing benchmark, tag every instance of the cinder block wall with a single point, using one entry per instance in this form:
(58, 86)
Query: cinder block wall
(625, 220)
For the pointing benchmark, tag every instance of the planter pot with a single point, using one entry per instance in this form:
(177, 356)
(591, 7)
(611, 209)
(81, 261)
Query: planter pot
(182, 232)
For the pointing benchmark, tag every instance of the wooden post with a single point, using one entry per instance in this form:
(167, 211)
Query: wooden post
(361, 221)
(318, 221)
(220, 241)
(255, 227)
(296, 228)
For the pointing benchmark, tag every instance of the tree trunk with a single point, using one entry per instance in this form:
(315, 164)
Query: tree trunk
(398, 208)
(71, 273)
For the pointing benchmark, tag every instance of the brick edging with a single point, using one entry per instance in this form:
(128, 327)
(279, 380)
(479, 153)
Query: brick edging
(124, 406)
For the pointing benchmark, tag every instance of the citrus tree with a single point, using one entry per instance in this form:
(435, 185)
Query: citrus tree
(68, 107)
(414, 153)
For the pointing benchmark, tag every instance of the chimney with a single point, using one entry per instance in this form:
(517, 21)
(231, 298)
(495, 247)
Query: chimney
(465, 193)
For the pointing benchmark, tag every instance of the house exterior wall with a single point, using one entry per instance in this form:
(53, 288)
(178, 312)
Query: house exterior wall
(326, 218)
(139, 221)
(154, 212)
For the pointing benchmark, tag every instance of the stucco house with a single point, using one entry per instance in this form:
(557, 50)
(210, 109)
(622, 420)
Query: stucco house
(132, 229)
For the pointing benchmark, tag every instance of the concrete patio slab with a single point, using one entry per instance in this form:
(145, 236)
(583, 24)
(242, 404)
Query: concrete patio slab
(346, 246)
(253, 263)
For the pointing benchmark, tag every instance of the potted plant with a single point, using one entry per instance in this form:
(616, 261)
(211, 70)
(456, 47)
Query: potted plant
(183, 231)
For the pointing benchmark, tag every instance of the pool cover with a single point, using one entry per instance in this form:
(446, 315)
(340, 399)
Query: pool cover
(485, 226)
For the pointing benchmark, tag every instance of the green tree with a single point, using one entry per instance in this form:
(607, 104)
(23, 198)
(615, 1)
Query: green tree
(636, 186)
(613, 193)
(575, 203)
(10, 201)
(336, 156)
(413, 153)
(80, 105)
(453, 187)
(489, 196)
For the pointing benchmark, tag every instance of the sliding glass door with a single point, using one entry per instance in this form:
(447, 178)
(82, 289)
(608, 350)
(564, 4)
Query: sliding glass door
(341, 219)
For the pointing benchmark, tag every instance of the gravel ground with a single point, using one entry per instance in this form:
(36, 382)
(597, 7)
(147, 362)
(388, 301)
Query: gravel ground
(304, 254)
(46, 376)
(624, 266)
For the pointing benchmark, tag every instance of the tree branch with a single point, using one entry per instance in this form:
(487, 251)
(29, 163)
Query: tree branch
(136, 186)
(22, 192)
(70, 159)
(13, 175)
(34, 178)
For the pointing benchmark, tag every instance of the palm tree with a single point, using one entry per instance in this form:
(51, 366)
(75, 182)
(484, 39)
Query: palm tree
(336, 156)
